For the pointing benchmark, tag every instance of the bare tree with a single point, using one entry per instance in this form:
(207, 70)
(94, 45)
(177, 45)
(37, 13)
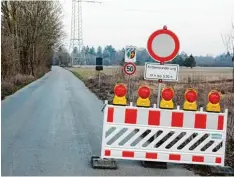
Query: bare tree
(228, 41)
(30, 32)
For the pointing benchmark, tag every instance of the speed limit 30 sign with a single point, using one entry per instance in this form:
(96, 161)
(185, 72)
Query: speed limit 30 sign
(129, 68)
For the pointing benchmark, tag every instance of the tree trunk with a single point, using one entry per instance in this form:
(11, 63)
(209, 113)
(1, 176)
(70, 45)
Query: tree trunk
(32, 60)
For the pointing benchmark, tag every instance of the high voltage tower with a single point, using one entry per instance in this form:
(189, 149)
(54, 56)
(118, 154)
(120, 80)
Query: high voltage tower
(76, 40)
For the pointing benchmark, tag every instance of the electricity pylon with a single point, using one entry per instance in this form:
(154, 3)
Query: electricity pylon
(76, 40)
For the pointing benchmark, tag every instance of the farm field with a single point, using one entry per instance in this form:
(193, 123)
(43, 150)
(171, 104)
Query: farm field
(200, 74)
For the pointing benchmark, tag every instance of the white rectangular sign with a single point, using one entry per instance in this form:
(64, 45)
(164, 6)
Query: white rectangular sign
(154, 71)
(130, 54)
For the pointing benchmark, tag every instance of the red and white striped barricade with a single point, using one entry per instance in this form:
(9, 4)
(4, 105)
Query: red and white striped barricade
(153, 134)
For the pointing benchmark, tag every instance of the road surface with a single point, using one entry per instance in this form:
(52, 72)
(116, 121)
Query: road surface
(53, 126)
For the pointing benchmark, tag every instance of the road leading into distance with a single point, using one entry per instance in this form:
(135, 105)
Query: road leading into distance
(53, 126)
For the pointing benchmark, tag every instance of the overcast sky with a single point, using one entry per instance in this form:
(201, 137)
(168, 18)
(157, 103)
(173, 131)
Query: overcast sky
(198, 23)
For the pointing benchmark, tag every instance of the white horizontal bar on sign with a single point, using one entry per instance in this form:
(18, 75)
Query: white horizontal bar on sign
(168, 161)
(169, 110)
(160, 151)
(163, 127)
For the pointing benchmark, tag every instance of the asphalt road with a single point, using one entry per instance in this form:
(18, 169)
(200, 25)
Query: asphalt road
(53, 126)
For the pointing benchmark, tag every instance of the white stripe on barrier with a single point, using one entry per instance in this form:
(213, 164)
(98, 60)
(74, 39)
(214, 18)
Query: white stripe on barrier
(165, 118)
(212, 121)
(189, 119)
(142, 117)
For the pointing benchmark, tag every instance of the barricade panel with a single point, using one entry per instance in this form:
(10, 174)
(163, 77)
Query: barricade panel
(153, 134)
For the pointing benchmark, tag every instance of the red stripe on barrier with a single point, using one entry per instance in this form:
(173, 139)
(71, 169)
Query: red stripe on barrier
(200, 121)
(154, 118)
(107, 152)
(110, 115)
(130, 116)
(128, 154)
(177, 119)
(220, 122)
(198, 158)
(174, 157)
(218, 160)
(151, 155)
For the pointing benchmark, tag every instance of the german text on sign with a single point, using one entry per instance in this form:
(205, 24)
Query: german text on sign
(154, 71)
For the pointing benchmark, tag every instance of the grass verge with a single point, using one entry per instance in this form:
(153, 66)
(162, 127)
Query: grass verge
(12, 84)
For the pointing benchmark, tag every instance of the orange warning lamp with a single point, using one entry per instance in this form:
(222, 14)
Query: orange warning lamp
(120, 92)
(190, 99)
(167, 96)
(144, 94)
(214, 98)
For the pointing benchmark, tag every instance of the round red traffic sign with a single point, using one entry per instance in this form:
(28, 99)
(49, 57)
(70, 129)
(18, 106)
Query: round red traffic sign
(129, 68)
(163, 45)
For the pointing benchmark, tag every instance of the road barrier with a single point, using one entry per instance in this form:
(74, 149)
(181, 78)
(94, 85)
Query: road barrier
(165, 135)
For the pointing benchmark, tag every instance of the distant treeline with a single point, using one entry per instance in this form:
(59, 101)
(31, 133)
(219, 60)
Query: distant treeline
(111, 56)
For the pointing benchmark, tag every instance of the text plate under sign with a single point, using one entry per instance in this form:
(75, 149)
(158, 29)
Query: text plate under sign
(154, 71)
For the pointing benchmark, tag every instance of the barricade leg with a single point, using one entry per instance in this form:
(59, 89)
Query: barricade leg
(100, 162)
(103, 163)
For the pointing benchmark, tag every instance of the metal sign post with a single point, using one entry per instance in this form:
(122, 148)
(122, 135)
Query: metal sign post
(130, 67)
(129, 86)
(159, 89)
(159, 93)
(99, 79)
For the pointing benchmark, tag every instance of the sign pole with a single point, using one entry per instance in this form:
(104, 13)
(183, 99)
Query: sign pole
(129, 87)
(99, 79)
(159, 89)
(129, 69)
(159, 93)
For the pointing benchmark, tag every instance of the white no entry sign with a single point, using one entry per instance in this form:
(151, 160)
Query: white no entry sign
(163, 45)
(129, 68)
(154, 71)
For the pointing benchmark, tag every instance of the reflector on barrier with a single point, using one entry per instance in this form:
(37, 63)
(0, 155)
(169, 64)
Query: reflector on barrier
(167, 96)
(144, 94)
(190, 99)
(214, 98)
(120, 92)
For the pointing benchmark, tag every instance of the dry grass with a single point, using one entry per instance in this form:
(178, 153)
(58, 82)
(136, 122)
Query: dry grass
(186, 74)
(14, 83)
(200, 79)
